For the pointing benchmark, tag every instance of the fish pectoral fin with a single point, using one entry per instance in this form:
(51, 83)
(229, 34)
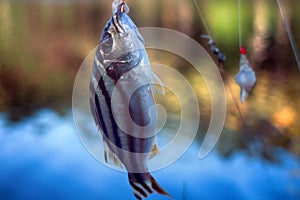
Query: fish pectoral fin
(111, 158)
(161, 85)
(154, 151)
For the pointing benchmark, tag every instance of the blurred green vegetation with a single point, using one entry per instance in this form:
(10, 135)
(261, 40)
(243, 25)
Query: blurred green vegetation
(42, 46)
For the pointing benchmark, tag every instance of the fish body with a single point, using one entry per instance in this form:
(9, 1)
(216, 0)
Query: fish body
(245, 78)
(122, 101)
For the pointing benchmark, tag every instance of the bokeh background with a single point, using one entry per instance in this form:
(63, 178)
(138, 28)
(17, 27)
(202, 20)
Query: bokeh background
(42, 45)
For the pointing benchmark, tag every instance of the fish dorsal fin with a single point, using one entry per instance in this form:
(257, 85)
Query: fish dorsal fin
(154, 151)
(162, 87)
(111, 158)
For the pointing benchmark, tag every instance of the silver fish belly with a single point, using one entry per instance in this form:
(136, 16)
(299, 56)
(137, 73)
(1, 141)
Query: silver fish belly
(246, 78)
(121, 98)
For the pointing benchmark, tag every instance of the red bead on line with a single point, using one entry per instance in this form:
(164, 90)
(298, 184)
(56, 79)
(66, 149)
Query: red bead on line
(243, 50)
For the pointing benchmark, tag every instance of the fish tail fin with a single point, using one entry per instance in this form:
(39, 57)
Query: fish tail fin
(244, 95)
(143, 184)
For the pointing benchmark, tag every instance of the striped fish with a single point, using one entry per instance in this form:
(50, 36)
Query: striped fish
(122, 101)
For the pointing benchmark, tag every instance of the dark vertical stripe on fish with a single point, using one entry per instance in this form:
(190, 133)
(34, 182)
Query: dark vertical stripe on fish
(137, 196)
(105, 158)
(138, 189)
(140, 178)
(146, 187)
(130, 139)
(115, 21)
(100, 116)
(108, 103)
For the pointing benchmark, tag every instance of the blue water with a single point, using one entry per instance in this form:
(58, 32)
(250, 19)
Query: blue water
(42, 158)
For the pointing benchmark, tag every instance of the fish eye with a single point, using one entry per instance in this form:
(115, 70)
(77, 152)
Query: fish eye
(106, 42)
(106, 37)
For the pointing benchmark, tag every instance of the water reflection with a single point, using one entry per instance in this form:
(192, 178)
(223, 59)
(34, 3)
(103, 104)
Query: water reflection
(56, 166)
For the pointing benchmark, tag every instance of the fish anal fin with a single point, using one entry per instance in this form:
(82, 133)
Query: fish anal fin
(154, 151)
(110, 157)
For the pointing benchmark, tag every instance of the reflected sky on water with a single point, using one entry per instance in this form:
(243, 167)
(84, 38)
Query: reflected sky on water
(42, 157)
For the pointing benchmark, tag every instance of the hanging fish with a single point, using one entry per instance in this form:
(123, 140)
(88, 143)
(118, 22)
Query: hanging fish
(246, 77)
(121, 64)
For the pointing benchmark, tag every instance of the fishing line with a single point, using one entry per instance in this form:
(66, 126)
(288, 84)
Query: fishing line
(225, 76)
(222, 71)
(252, 148)
(227, 83)
(202, 17)
(289, 32)
(245, 78)
(240, 23)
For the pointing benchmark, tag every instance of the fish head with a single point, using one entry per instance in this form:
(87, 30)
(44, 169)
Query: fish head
(120, 34)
